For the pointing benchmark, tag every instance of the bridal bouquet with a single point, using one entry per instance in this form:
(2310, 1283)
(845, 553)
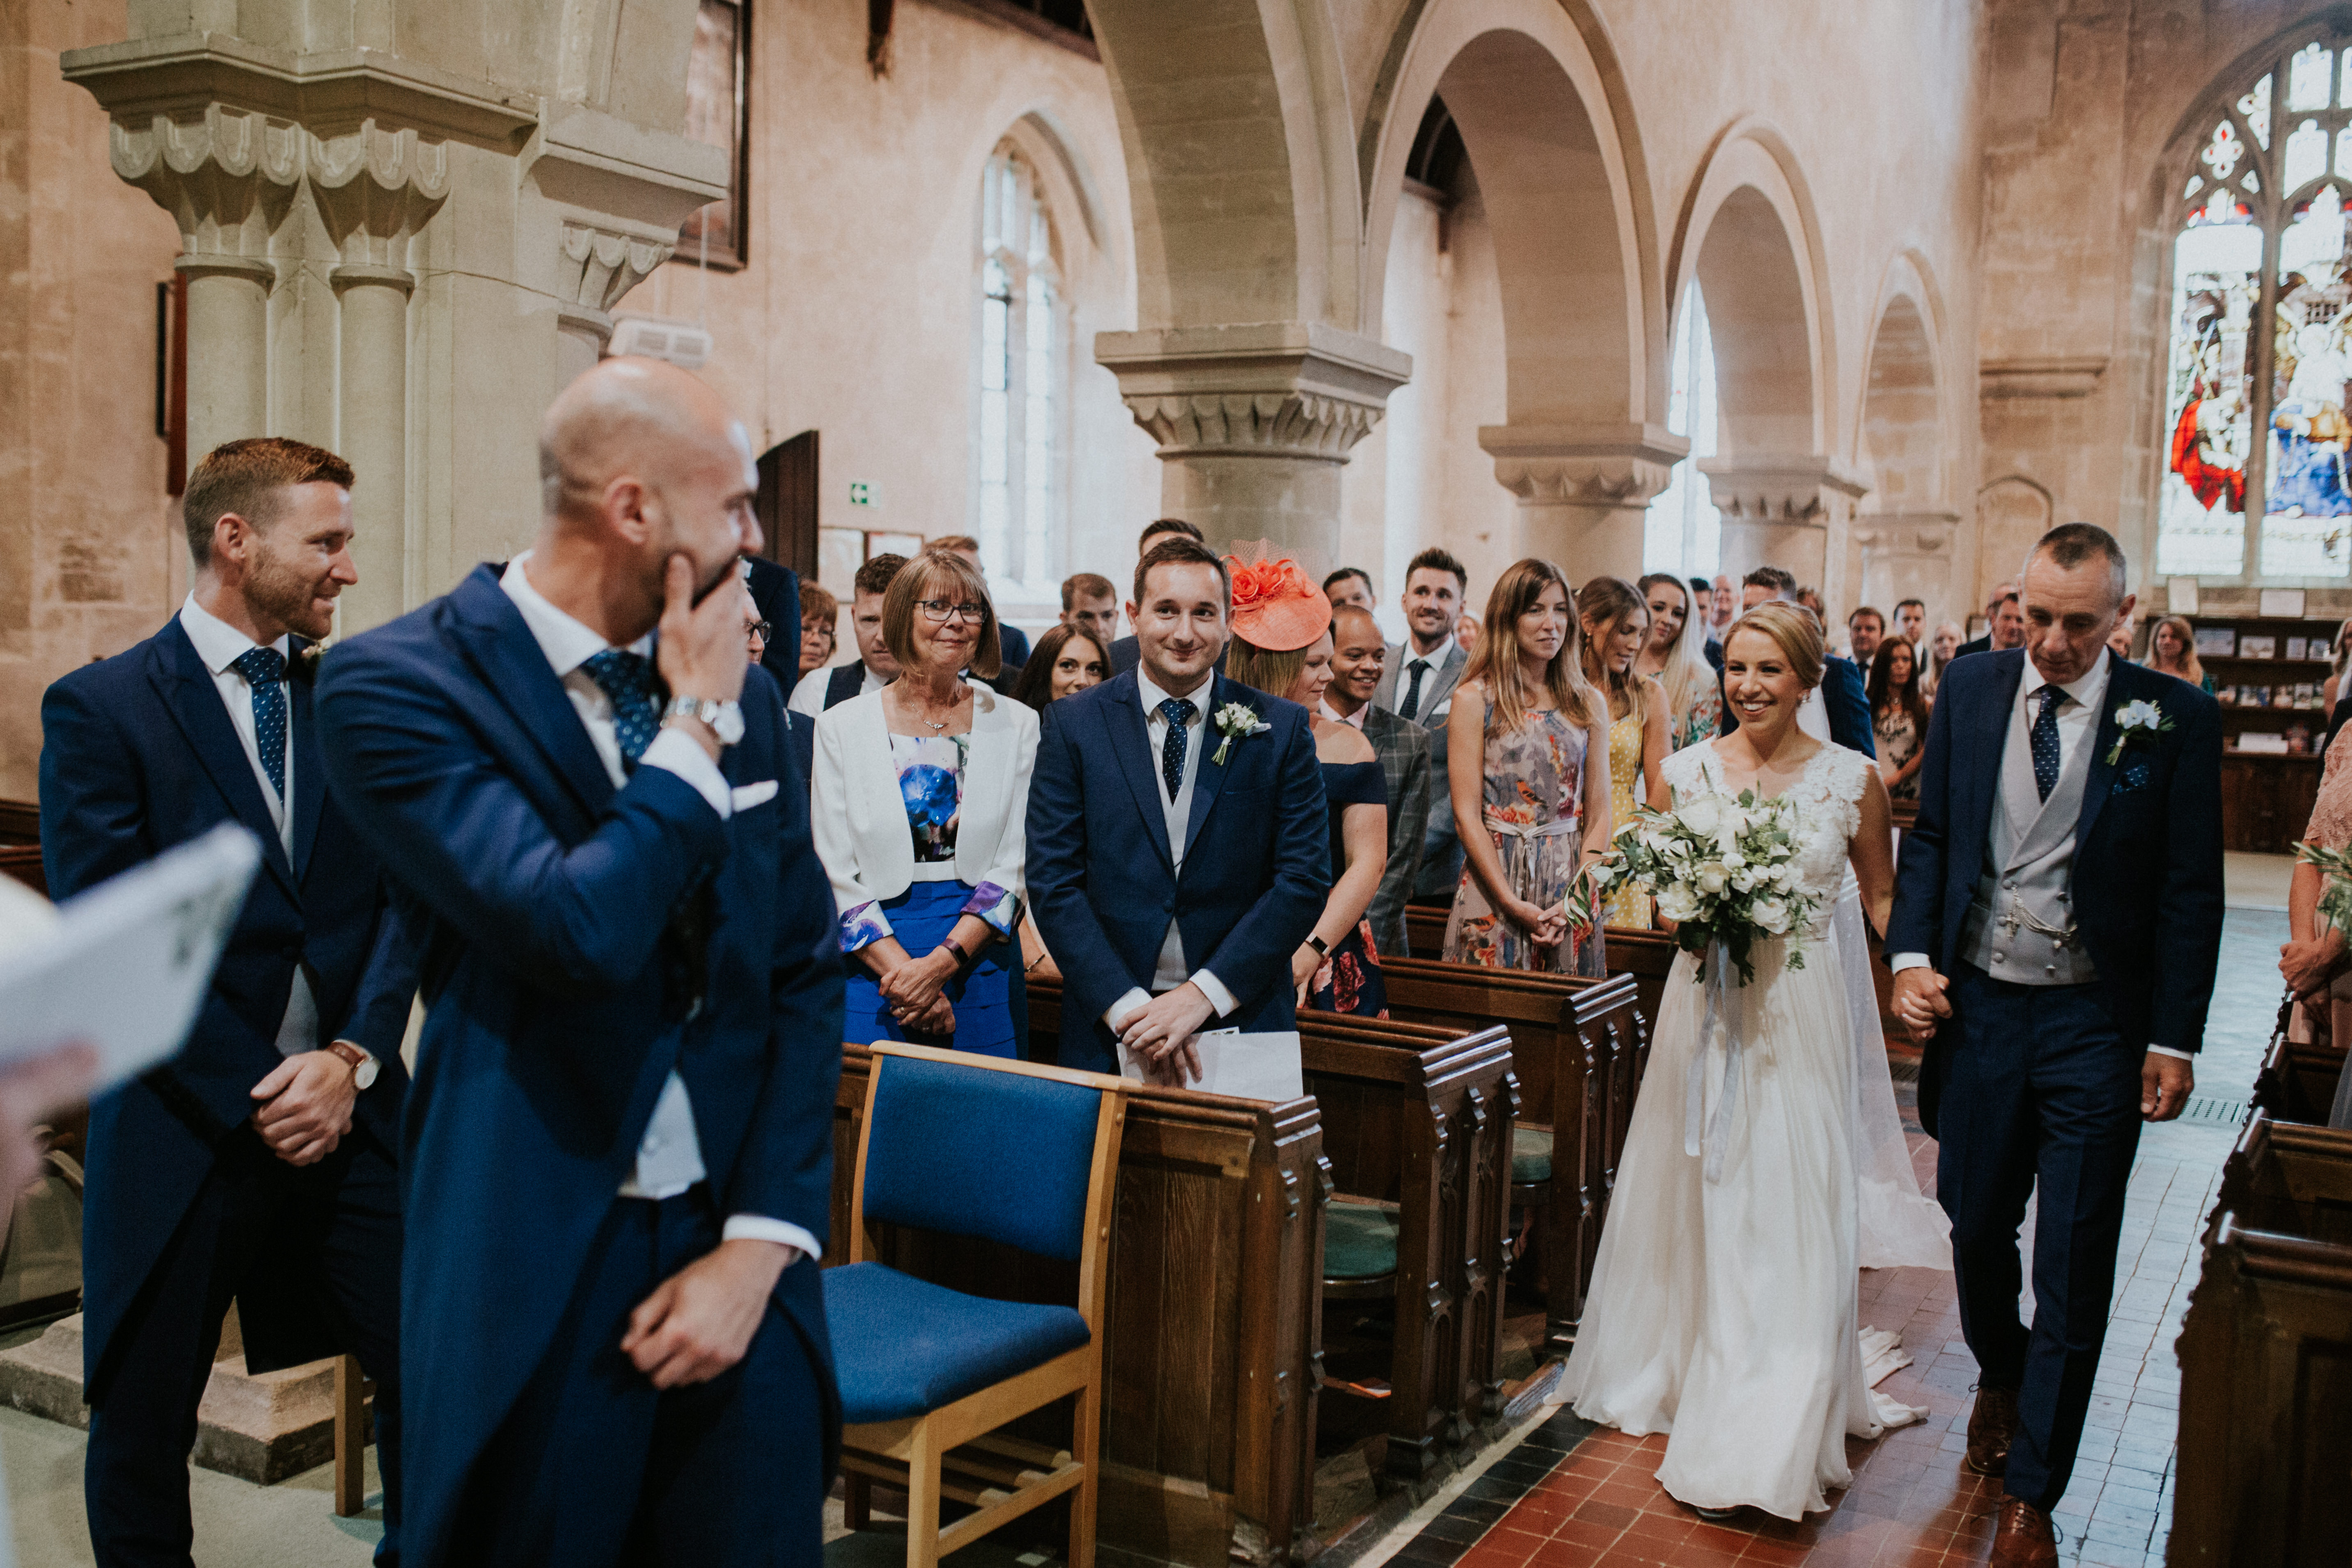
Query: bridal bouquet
(2336, 898)
(1721, 869)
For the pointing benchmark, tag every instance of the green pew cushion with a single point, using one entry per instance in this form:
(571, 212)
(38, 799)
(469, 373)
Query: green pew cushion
(1360, 1241)
(1530, 1154)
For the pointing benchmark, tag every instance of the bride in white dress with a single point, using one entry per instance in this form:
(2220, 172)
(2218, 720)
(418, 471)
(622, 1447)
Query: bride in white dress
(1764, 1166)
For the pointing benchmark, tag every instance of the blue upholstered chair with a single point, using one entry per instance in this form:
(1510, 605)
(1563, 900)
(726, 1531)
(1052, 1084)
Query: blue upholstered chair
(1009, 1151)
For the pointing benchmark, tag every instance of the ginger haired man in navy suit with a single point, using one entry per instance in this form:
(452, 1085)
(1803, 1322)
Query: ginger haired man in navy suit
(619, 1145)
(259, 1163)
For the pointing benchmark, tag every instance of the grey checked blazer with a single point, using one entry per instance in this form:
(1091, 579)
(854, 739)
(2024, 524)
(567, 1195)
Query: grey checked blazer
(1403, 748)
(1441, 851)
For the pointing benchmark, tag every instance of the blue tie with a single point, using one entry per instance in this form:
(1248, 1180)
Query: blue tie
(1179, 714)
(2046, 740)
(629, 680)
(264, 669)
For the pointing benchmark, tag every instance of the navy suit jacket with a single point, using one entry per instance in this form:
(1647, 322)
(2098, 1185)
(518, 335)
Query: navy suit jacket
(1843, 693)
(2147, 887)
(566, 928)
(1102, 880)
(776, 593)
(138, 754)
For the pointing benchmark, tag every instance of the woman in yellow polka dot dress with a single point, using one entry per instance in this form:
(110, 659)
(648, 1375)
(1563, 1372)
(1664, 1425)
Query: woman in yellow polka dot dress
(1615, 621)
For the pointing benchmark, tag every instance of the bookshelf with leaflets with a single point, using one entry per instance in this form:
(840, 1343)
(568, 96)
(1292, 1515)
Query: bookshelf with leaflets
(2267, 673)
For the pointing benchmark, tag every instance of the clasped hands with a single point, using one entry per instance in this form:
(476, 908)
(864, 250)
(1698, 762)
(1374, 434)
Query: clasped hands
(1921, 1002)
(1160, 1034)
(916, 992)
(306, 1106)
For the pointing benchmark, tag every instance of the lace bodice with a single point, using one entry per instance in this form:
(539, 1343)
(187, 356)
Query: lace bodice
(1828, 799)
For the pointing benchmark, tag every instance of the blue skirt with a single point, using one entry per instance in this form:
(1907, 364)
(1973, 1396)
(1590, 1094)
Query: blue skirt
(920, 917)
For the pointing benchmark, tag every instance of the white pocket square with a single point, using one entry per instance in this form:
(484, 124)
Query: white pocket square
(743, 797)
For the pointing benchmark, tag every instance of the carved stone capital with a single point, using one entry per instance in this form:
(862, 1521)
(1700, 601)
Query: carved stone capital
(1924, 534)
(1782, 488)
(228, 177)
(375, 188)
(1607, 466)
(1284, 389)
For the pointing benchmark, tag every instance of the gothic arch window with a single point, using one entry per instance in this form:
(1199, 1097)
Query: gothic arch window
(1021, 381)
(1683, 533)
(2261, 341)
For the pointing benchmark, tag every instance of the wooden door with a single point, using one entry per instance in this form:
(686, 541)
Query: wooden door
(786, 504)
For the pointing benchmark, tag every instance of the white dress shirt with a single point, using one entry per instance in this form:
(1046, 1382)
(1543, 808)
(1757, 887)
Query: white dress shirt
(1323, 709)
(669, 1158)
(2078, 726)
(808, 691)
(1170, 971)
(1431, 662)
(220, 646)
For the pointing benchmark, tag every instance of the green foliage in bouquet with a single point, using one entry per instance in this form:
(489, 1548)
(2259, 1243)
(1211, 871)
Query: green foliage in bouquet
(2336, 899)
(1723, 869)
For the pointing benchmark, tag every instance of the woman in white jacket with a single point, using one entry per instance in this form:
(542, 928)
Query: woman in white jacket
(919, 795)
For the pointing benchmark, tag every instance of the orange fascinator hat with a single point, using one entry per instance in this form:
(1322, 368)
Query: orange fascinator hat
(1275, 606)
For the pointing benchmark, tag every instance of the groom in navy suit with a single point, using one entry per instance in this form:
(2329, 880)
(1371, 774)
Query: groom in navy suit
(619, 1145)
(259, 1163)
(2057, 925)
(1173, 888)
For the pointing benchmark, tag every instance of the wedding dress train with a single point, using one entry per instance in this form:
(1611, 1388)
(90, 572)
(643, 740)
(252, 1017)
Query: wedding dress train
(1723, 1307)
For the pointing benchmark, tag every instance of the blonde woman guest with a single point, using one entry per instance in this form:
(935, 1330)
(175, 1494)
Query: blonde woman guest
(2172, 650)
(1675, 656)
(1614, 623)
(1527, 763)
(921, 792)
(1943, 647)
(1282, 647)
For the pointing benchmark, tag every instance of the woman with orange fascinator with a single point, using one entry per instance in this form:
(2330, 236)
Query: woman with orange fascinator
(1282, 646)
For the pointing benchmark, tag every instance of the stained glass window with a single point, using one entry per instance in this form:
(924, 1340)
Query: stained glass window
(2258, 334)
(1017, 473)
(1683, 533)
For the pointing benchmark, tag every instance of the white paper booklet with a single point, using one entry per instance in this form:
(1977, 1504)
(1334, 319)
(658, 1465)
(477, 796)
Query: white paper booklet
(1245, 1067)
(125, 965)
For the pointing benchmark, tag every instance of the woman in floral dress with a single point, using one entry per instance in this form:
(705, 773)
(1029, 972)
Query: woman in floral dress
(1528, 767)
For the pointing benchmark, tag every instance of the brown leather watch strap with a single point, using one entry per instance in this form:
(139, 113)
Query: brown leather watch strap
(350, 1053)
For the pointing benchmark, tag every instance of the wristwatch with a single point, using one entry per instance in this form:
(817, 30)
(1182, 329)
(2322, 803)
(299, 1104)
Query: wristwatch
(725, 718)
(1322, 948)
(363, 1066)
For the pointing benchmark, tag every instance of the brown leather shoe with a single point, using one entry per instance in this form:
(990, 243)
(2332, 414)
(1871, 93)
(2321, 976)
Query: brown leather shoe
(1992, 1425)
(2024, 1539)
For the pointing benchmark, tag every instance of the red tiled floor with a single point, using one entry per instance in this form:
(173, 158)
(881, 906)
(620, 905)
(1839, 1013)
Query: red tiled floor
(1912, 1504)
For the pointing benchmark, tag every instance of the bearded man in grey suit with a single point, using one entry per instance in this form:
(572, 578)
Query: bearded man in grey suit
(1417, 683)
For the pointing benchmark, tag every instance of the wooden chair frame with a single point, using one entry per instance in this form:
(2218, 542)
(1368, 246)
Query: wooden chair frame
(951, 1452)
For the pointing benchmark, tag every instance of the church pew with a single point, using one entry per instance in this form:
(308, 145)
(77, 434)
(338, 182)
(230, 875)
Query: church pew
(21, 863)
(2297, 1080)
(2266, 1359)
(1578, 1049)
(1647, 956)
(1424, 930)
(1213, 1327)
(1420, 1118)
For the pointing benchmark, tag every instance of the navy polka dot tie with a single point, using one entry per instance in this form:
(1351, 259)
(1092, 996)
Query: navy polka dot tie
(264, 669)
(629, 680)
(1179, 714)
(2046, 740)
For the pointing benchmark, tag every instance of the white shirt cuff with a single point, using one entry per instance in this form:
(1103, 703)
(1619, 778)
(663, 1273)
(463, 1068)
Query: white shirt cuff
(759, 1227)
(1214, 990)
(1116, 1013)
(2168, 1051)
(676, 753)
(1903, 960)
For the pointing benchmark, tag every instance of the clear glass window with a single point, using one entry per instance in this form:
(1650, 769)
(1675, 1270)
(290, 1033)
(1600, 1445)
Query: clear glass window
(1020, 382)
(1683, 533)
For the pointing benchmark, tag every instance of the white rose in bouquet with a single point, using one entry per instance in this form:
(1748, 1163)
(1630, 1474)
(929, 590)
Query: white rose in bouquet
(1769, 914)
(1711, 877)
(1701, 816)
(1676, 903)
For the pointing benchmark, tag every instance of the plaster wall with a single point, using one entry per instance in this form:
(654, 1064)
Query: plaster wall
(858, 314)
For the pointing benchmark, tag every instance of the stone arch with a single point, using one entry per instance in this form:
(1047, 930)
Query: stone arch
(1542, 113)
(1901, 546)
(2012, 511)
(1749, 238)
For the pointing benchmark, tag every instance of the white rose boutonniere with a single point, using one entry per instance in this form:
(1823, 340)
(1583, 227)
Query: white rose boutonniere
(2137, 724)
(1235, 720)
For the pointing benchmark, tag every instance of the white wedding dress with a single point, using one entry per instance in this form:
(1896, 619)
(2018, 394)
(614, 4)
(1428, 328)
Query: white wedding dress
(1764, 1167)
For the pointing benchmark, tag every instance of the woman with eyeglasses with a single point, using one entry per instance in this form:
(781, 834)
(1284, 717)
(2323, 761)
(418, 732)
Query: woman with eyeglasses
(921, 791)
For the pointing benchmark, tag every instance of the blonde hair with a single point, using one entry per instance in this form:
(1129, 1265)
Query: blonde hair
(1686, 675)
(1793, 629)
(2192, 670)
(916, 579)
(1607, 601)
(1271, 670)
(1497, 662)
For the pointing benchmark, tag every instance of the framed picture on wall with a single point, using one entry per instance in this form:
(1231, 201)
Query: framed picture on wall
(719, 113)
(879, 543)
(2217, 642)
(840, 552)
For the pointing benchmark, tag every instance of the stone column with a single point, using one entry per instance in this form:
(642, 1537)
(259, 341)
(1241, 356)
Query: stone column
(1253, 423)
(375, 189)
(1583, 490)
(1909, 556)
(228, 179)
(1779, 509)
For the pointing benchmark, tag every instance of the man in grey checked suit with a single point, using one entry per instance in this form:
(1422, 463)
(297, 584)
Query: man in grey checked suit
(1358, 658)
(1417, 684)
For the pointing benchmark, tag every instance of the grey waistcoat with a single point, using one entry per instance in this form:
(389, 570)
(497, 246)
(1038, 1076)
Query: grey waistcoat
(2023, 887)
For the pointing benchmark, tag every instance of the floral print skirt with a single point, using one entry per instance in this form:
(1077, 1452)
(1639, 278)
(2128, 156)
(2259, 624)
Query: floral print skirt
(1349, 980)
(1538, 868)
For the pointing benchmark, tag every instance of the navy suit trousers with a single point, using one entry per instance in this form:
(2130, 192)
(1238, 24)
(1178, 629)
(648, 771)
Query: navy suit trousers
(595, 1465)
(2042, 1095)
(343, 1213)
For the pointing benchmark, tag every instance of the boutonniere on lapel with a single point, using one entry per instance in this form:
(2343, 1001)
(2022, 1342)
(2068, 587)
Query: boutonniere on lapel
(2137, 724)
(1234, 721)
(306, 663)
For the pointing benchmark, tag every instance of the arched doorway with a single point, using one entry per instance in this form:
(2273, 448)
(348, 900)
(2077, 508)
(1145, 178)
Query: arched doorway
(1902, 546)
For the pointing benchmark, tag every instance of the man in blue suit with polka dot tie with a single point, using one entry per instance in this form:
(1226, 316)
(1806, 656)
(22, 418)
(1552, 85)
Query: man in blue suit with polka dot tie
(261, 1163)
